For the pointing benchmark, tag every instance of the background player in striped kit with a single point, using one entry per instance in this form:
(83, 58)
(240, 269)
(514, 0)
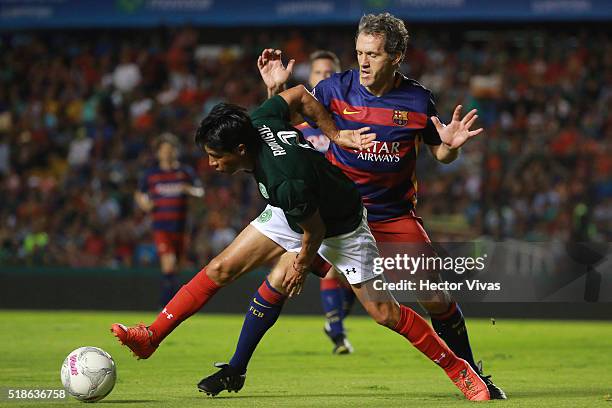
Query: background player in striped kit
(402, 113)
(164, 191)
(337, 298)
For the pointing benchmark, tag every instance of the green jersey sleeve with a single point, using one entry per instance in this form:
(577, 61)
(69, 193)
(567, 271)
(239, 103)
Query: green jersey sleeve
(296, 199)
(273, 108)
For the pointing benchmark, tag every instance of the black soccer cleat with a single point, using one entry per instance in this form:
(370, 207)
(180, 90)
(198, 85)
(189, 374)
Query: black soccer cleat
(494, 391)
(227, 378)
(341, 343)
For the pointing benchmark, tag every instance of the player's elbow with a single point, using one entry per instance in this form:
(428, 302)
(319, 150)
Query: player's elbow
(296, 97)
(305, 99)
(300, 90)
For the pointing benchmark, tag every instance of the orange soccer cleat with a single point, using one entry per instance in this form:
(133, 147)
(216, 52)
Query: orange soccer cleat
(470, 383)
(137, 338)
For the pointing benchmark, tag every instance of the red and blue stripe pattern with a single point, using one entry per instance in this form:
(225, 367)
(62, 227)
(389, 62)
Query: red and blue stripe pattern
(384, 174)
(166, 189)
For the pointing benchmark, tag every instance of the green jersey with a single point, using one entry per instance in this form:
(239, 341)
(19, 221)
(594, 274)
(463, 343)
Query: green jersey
(295, 177)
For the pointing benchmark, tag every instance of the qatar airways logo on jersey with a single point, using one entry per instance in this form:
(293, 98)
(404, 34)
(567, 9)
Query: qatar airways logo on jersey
(381, 152)
(169, 189)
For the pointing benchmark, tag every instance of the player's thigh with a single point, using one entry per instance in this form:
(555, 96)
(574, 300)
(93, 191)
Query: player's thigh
(333, 274)
(353, 255)
(249, 250)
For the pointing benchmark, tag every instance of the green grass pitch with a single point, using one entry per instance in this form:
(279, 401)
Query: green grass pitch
(538, 363)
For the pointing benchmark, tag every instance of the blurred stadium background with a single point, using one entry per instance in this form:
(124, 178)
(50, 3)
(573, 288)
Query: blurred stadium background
(86, 86)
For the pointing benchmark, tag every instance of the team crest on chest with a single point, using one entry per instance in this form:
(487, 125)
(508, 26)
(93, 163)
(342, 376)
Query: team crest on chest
(400, 118)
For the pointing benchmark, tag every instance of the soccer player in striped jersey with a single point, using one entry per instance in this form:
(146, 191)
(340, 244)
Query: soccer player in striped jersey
(402, 113)
(337, 298)
(164, 190)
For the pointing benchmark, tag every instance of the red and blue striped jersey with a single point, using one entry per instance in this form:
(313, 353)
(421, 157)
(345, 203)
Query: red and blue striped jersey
(166, 189)
(386, 173)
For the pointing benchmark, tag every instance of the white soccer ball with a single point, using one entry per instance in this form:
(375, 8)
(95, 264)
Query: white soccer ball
(89, 374)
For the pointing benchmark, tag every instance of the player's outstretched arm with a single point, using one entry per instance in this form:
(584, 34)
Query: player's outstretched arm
(454, 135)
(193, 191)
(314, 233)
(274, 74)
(302, 102)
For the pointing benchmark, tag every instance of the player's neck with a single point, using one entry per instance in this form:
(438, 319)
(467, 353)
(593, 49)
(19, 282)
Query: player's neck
(168, 165)
(384, 86)
(249, 163)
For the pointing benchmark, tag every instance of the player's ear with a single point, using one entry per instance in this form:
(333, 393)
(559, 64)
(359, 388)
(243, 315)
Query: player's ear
(241, 149)
(397, 58)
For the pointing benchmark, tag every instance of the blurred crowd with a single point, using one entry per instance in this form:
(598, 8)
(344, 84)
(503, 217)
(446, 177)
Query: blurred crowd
(79, 111)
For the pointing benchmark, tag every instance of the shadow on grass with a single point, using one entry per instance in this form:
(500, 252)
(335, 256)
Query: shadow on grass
(598, 393)
(111, 401)
(227, 397)
(602, 393)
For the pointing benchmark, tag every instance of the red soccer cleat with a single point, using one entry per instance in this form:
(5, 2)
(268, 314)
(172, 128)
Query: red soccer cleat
(470, 384)
(137, 338)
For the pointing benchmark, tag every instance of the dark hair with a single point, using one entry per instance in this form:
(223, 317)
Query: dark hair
(167, 138)
(226, 127)
(325, 54)
(391, 27)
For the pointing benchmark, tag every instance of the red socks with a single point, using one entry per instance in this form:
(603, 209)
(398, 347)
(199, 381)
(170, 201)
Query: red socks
(269, 294)
(424, 338)
(188, 300)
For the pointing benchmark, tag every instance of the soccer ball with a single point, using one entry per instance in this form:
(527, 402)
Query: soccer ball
(89, 374)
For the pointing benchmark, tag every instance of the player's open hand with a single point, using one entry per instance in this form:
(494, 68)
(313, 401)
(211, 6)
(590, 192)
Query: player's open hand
(457, 132)
(355, 139)
(272, 70)
(294, 279)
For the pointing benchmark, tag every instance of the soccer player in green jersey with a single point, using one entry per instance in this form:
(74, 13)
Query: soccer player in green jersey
(337, 297)
(313, 208)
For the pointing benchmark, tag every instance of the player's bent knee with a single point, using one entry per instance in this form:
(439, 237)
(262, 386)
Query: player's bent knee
(435, 307)
(220, 272)
(332, 274)
(275, 278)
(435, 302)
(279, 271)
(384, 313)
